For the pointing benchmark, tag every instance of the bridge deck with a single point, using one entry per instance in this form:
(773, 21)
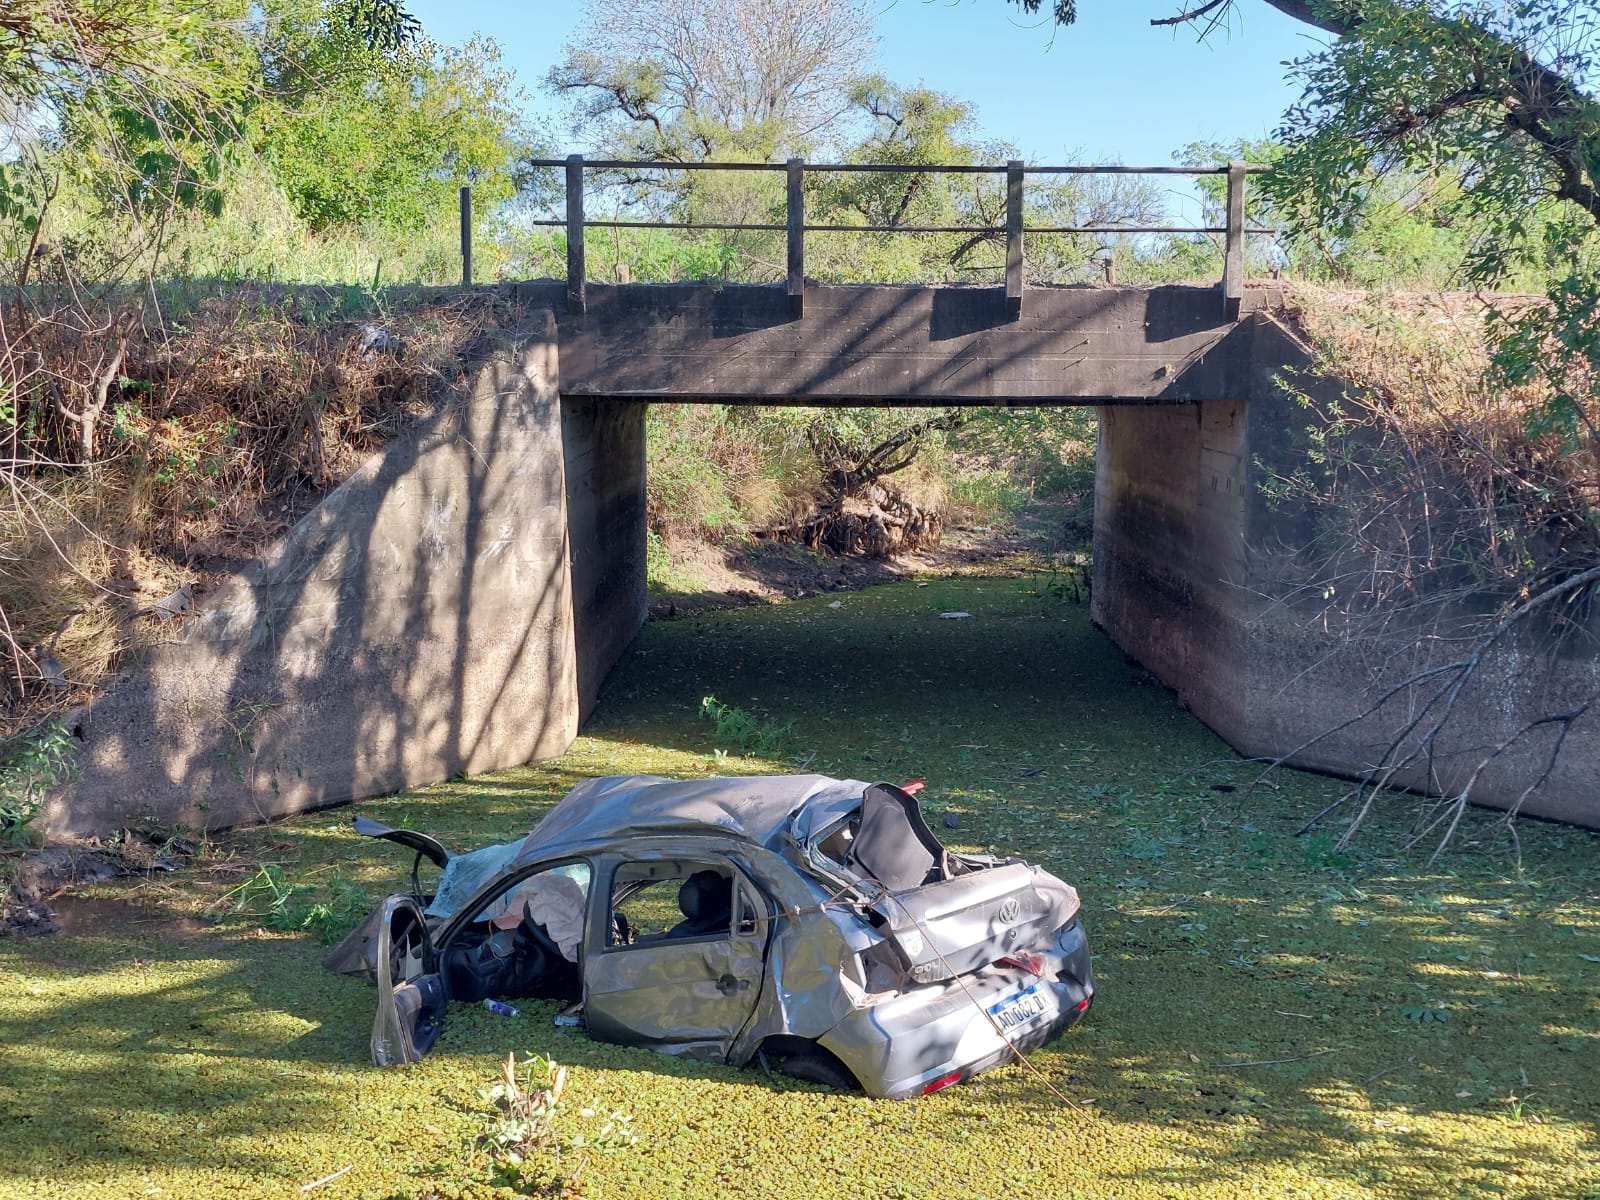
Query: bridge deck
(900, 345)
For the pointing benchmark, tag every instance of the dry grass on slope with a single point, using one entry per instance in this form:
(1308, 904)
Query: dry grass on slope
(221, 428)
(1428, 468)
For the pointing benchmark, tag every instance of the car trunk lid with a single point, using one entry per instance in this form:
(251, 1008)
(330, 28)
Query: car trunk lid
(962, 924)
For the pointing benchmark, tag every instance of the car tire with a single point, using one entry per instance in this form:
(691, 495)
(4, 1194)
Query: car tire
(812, 1064)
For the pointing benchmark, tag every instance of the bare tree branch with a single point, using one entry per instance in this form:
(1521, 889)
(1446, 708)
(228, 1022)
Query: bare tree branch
(1193, 14)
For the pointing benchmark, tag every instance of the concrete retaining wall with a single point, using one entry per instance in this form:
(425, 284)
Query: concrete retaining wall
(1187, 558)
(605, 470)
(418, 623)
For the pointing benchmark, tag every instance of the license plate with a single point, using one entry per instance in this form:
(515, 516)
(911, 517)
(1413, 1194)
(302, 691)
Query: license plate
(1022, 1009)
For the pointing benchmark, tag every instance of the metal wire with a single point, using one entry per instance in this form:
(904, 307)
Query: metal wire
(988, 229)
(641, 164)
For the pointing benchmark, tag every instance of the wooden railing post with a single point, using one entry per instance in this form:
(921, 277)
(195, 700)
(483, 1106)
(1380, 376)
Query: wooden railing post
(1233, 257)
(797, 238)
(576, 301)
(466, 237)
(1013, 239)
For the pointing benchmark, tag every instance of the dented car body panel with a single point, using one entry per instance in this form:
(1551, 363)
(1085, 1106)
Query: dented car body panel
(799, 921)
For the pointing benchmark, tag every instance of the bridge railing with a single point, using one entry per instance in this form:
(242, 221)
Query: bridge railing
(796, 227)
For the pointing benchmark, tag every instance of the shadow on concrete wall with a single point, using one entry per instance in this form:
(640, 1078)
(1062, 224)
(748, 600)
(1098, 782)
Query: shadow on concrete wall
(417, 624)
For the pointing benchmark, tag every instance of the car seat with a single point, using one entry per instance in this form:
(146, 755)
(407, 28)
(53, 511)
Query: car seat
(706, 901)
(894, 844)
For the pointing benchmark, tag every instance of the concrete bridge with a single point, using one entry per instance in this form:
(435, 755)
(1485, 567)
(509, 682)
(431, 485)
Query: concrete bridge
(456, 605)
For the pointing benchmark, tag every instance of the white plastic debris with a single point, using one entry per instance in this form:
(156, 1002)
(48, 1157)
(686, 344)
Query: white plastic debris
(837, 604)
(955, 616)
(373, 340)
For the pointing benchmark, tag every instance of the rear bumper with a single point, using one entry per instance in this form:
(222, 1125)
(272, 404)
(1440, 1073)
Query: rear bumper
(899, 1045)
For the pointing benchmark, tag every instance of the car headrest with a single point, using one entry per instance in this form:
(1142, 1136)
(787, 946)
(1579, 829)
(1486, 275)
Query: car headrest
(706, 895)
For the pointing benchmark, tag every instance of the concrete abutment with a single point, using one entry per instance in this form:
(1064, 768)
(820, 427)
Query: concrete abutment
(452, 607)
(1190, 581)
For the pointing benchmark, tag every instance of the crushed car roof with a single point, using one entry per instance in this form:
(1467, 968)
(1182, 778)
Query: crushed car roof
(757, 808)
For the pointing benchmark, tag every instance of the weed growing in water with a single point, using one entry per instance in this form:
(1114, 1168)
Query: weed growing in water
(291, 907)
(519, 1131)
(524, 1105)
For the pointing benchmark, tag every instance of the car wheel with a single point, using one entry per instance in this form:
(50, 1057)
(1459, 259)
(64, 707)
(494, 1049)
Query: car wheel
(811, 1063)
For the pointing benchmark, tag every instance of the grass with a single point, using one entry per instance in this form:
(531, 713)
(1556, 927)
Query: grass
(1261, 1027)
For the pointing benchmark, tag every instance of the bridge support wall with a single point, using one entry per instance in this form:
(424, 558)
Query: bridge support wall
(426, 619)
(456, 605)
(605, 472)
(1169, 548)
(1190, 581)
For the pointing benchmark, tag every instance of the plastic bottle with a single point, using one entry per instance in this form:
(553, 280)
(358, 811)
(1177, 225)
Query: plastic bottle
(501, 1008)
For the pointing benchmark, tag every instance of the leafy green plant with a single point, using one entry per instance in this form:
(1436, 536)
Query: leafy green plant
(1426, 1016)
(740, 730)
(31, 766)
(1517, 1110)
(523, 1104)
(520, 1135)
(283, 904)
(1321, 849)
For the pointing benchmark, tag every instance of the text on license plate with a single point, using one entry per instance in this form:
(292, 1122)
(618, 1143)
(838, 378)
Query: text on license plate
(1020, 1009)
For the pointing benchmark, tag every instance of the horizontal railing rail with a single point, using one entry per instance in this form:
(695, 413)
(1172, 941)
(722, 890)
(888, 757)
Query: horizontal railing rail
(795, 226)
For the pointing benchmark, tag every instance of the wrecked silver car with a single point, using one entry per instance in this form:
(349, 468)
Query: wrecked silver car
(813, 925)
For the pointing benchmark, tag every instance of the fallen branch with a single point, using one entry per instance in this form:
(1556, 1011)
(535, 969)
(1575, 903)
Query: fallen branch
(1273, 1062)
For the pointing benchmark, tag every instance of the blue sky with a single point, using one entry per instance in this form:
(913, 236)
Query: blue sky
(1109, 89)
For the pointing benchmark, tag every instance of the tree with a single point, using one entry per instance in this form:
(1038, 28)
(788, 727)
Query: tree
(359, 136)
(1500, 92)
(702, 79)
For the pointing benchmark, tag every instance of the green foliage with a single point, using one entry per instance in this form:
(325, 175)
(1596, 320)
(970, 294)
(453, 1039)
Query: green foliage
(715, 471)
(1465, 97)
(20, 202)
(1555, 350)
(1423, 90)
(248, 1035)
(736, 729)
(30, 767)
(158, 145)
(520, 1129)
(1049, 451)
(523, 1105)
(988, 495)
(1425, 1015)
(291, 906)
(388, 139)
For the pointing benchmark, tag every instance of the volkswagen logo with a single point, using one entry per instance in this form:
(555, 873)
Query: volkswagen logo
(1009, 911)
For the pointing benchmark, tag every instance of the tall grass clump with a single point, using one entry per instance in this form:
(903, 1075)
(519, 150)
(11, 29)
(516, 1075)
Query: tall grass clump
(716, 472)
(1431, 473)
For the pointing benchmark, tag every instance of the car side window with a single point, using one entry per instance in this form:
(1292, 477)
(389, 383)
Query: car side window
(659, 902)
(555, 900)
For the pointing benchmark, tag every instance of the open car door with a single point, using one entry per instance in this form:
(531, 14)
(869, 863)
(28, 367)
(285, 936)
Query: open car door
(411, 993)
